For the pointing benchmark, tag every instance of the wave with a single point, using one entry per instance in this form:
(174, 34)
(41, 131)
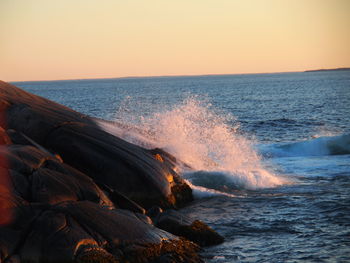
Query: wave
(322, 146)
(230, 181)
(192, 131)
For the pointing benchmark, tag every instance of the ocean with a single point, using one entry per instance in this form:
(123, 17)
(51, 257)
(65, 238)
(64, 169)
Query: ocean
(267, 155)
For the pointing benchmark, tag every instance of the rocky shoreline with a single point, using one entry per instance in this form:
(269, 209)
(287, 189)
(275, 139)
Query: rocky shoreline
(71, 192)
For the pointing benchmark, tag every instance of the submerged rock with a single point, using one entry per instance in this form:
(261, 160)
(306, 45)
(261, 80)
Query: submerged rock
(70, 192)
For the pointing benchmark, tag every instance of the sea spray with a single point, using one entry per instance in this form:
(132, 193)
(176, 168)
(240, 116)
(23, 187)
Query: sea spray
(220, 157)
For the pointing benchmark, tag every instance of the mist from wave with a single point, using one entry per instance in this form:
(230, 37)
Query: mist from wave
(194, 132)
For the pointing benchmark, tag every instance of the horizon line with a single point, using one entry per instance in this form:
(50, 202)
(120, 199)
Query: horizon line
(183, 75)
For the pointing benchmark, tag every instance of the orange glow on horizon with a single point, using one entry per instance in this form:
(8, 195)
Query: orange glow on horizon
(48, 40)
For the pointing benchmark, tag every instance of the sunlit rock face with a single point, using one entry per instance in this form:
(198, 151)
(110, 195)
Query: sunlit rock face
(70, 192)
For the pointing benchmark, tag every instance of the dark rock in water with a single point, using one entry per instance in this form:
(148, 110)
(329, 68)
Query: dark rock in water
(70, 192)
(178, 224)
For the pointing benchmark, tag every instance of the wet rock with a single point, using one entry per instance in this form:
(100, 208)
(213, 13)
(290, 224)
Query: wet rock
(178, 224)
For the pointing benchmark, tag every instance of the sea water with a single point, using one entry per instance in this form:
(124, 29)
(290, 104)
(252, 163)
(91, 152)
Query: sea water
(267, 155)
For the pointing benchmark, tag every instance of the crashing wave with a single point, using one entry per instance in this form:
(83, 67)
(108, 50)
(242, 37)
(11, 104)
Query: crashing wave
(220, 157)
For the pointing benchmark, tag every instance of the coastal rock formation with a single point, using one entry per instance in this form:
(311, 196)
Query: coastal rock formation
(131, 170)
(70, 192)
(180, 225)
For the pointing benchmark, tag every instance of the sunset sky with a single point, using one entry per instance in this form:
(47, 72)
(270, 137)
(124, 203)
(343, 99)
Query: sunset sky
(74, 39)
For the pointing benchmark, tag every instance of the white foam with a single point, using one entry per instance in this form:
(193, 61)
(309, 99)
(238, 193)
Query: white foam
(321, 146)
(203, 192)
(194, 133)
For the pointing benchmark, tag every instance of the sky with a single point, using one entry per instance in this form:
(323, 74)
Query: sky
(76, 39)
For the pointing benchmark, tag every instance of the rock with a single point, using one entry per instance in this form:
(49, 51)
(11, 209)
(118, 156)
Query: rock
(127, 168)
(51, 222)
(94, 254)
(84, 231)
(4, 138)
(178, 224)
(154, 212)
(70, 192)
(9, 240)
(122, 201)
(53, 237)
(13, 259)
(38, 177)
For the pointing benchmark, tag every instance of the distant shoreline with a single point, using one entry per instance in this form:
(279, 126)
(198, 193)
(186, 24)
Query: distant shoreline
(331, 69)
(190, 75)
